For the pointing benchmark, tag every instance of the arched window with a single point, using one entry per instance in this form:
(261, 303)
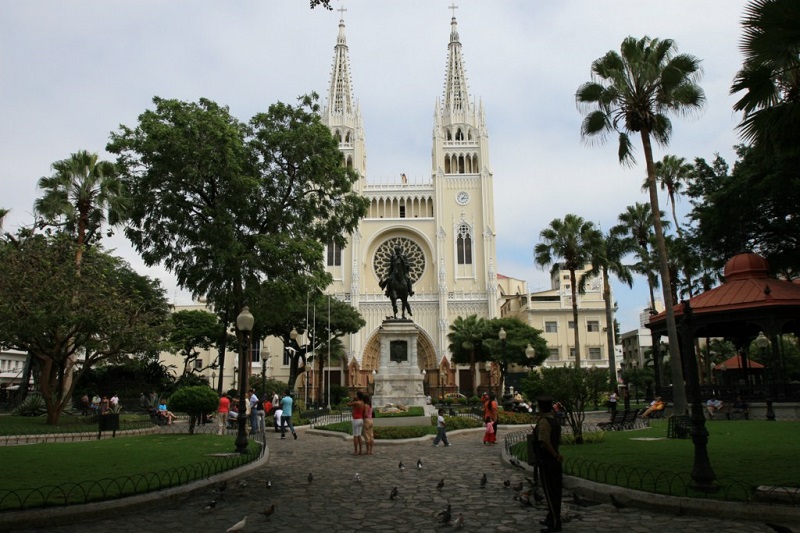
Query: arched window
(338, 135)
(464, 245)
(334, 254)
(347, 137)
(447, 164)
(459, 135)
(448, 135)
(461, 164)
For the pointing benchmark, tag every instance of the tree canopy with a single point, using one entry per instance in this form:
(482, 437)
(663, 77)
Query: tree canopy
(193, 329)
(52, 311)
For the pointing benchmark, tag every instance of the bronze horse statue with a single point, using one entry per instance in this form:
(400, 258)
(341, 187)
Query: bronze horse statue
(398, 285)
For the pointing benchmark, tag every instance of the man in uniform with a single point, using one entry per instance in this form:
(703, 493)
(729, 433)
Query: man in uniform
(547, 435)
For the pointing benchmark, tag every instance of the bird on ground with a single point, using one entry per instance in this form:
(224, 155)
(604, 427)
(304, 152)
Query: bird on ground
(779, 528)
(241, 483)
(419, 464)
(517, 487)
(357, 477)
(401, 466)
(222, 486)
(507, 483)
(445, 515)
(211, 505)
(483, 481)
(524, 499)
(538, 498)
(616, 503)
(238, 526)
(310, 477)
(515, 462)
(393, 494)
(267, 512)
(459, 521)
(440, 485)
(269, 484)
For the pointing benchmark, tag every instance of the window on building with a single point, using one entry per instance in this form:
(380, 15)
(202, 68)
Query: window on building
(198, 364)
(565, 276)
(464, 245)
(572, 353)
(334, 254)
(402, 211)
(593, 325)
(551, 327)
(555, 354)
(255, 351)
(595, 354)
(287, 357)
(571, 324)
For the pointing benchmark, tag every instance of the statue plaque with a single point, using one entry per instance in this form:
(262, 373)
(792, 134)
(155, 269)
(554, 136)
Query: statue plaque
(398, 351)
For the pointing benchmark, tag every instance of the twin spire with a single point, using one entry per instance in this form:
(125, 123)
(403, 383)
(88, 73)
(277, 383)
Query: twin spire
(340, 93)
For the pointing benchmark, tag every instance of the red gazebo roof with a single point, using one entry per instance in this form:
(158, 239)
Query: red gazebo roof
(735, 362)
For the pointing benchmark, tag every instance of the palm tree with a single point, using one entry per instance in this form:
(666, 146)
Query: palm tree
(770, 74)
(671, 173)
(3, 213)
(606, 260)
(466, 338)
(633, 91)
(81, 194)
(571, 240)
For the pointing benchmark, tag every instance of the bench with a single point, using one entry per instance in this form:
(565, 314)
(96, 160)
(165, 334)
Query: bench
(729, 412)
(621, 420)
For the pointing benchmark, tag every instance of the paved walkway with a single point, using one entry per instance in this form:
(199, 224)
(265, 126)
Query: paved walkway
(335, 502)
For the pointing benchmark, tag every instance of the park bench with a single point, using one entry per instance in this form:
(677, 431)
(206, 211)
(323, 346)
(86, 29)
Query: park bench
(615, 423)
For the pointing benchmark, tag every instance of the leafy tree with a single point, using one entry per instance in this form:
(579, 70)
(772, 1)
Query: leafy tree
(194, 401)
(466, 338)
(770, 76)
(569, 386)
(193, 330)
(607, 259)
(570, 240)
(236, 210)
(49, 310)
(518, 336)
(633, 91)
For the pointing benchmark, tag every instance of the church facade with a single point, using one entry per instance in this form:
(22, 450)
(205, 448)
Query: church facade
(444, 225)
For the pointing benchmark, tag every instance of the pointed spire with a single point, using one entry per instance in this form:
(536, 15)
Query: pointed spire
(456, 92)
(340, 93)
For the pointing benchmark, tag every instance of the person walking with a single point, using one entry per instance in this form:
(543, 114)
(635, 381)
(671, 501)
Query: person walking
(489, 436)
(490, 412)
(286, 415)
(223, 410)
(254, 406)
(441, 430)
(357, 422)
(546, 436)
(369, 433)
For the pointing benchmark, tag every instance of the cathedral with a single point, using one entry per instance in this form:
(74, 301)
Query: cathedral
(445, 226)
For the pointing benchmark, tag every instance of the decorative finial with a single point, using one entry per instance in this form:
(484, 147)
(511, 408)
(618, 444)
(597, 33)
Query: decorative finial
(453, 7)
(341, 11)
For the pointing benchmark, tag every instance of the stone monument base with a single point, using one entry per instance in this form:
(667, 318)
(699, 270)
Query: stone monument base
(399, 380)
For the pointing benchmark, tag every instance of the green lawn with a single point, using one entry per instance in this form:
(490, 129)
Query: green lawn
(35, 425)
(58, 473)
(743, 455)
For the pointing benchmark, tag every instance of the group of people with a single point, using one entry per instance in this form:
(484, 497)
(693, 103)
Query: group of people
(362, 424)
(98, 406)
(255, 412)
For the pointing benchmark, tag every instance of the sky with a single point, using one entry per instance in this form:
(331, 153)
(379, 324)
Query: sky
(73, 72)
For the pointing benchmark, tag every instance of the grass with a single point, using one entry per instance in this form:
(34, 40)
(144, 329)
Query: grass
(77, 472)
(742, 453)
(35, 425)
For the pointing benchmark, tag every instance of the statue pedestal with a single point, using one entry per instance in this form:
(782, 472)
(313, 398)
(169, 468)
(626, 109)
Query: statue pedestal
(399, 379)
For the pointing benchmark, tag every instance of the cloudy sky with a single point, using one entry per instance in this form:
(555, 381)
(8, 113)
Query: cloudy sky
(72, 72)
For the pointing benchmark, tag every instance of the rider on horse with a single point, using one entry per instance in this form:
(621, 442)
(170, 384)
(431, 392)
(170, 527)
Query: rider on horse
(399, 270)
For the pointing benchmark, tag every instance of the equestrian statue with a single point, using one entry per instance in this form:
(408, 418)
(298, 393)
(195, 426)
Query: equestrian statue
(397, 283)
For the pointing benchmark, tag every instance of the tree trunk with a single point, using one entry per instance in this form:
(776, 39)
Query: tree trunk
(678, 385)
(612, 358)
(574, 289)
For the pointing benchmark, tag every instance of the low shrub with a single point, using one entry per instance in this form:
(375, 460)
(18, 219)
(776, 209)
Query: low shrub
(460, 422)
(510, 417)
(32, 406)
(405, 432)
(595, 437)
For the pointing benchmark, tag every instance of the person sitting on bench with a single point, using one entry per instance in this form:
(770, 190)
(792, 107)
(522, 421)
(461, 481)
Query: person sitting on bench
(655, 405)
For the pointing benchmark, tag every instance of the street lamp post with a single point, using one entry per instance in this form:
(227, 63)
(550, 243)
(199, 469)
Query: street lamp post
(244, 323)
(235, 371)
(265, 355)
(424, 384)
(762, 342)
(530, 353)
(504, 368)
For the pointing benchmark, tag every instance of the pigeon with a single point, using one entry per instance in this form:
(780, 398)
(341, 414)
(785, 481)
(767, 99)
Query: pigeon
(401, 466)
(267, 512)
(445, 515)
(537, 497)
(483, 481)
(210, 506)
(222, 486)
(419, 464)
(238, 526)
(459, 521)
(241, 483)
(393, 494)
(524, 499)
(357, 477)
(440, 485)
(507, 483)
(517, 487)
(515, 462)
(310, 477)
(616, 503)
(269, 484)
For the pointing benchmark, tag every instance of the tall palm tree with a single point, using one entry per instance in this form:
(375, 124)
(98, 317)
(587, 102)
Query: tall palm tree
(770, 75)
(633, 91)
(466, 339)
(636, 226)
(671, 173)
(81, 194)
(3, 213)
(606, 260)
(569, 242)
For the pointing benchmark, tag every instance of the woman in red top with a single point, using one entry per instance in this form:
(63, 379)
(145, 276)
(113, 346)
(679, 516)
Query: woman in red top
(222, 413)
(358, 422)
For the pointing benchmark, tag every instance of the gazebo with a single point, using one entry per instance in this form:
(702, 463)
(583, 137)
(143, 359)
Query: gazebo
(747, 303)
(737, 370)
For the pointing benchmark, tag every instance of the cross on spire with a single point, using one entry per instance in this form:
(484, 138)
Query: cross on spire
(341, 11)
(453, 6)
